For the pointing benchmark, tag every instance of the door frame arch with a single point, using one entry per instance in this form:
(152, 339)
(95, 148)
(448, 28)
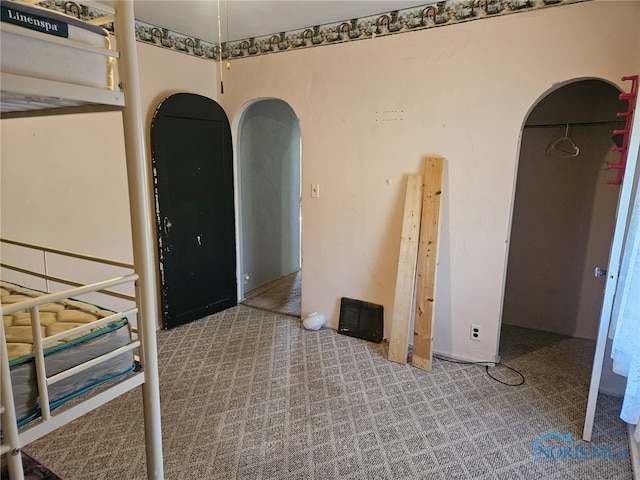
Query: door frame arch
(205, 151)
(630, 184)
(534, 105)
(236, 125)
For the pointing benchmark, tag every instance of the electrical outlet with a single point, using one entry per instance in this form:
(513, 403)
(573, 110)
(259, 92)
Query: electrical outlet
(475, 332)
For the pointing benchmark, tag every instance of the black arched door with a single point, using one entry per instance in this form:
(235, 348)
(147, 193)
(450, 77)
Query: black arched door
(193, 170)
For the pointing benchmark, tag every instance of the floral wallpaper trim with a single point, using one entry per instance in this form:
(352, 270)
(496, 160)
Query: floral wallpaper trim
(430, 15)
(145, 32)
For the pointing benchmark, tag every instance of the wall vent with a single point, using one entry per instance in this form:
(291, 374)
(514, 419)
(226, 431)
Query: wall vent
(361, 320)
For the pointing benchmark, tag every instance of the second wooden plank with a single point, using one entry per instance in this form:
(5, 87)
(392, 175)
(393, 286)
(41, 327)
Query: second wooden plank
(405, 280)
(427, 264)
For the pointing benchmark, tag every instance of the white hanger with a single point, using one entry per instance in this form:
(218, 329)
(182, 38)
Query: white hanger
(564, 147)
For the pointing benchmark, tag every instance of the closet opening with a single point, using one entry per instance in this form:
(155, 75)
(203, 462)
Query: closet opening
(269, 198)
(563, 218)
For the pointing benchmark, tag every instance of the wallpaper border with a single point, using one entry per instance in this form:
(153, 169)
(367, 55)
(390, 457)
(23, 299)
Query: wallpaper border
(429, 15)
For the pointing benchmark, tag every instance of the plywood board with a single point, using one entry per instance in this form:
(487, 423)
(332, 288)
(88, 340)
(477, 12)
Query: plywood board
(405, 280)
(427, 264)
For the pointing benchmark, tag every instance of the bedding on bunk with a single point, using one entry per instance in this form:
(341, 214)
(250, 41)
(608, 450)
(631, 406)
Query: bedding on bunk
(55, 318)
(52, 52)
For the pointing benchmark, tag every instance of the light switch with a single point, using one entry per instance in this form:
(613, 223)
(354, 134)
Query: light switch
(315, 190)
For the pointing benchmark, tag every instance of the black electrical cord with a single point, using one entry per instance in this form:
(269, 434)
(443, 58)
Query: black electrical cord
(486, 366)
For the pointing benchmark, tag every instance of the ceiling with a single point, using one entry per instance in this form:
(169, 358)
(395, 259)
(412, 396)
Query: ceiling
(241, 19)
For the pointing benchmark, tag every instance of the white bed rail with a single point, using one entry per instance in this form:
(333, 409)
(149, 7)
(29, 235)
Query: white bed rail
(68, 253)
(10, 445)
(47, 277)
(15, 439)
(28, 96)
(24, 95)
(39, 343)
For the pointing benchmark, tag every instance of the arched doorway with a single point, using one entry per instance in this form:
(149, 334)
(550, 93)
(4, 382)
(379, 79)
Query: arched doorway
(269, 192)
(563, 217)
(191, 149)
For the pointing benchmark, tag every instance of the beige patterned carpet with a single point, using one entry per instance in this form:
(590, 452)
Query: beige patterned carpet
(247, 394)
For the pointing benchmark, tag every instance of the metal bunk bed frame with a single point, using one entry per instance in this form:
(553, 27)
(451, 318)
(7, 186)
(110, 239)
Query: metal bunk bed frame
(86, 99)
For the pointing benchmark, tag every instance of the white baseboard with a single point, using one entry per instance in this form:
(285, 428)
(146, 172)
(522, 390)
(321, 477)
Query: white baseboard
(465, 358)
(634, 451)
(612, 392)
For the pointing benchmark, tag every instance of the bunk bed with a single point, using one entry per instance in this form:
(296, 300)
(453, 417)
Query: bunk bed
(78, 80)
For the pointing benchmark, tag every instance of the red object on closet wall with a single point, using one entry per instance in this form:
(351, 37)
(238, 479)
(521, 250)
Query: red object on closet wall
(625, 132)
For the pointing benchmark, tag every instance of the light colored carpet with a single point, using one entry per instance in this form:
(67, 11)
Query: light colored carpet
(247, 394)
(280, 296)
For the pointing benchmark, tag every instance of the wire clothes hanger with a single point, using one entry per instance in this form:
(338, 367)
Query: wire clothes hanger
(564, 147)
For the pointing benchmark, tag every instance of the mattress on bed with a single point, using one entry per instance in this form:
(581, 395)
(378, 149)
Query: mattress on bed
(55, 318)
(41, 58)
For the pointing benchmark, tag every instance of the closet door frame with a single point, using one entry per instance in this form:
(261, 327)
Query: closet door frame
(623, 216)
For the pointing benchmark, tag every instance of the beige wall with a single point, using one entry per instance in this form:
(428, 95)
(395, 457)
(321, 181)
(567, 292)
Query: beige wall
(463, 92)
(163, 72)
